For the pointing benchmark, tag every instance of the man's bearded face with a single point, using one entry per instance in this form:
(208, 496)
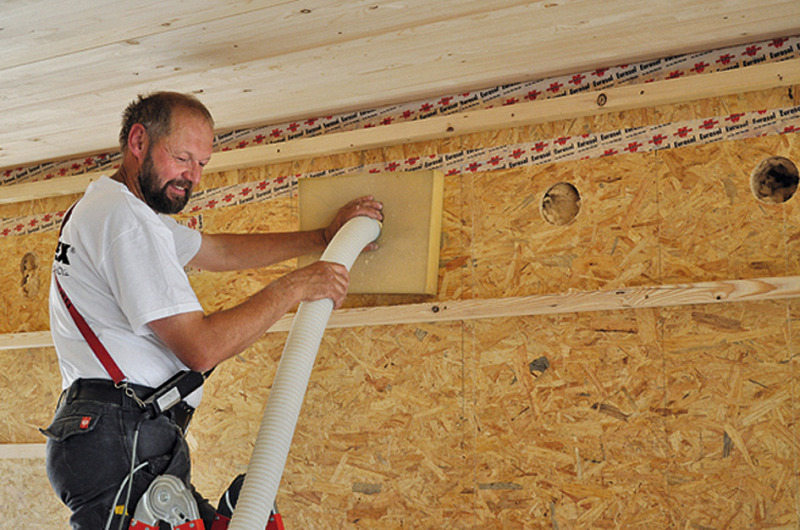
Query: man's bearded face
(155, 194)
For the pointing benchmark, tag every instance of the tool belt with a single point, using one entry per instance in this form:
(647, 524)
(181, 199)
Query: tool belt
(128, 395)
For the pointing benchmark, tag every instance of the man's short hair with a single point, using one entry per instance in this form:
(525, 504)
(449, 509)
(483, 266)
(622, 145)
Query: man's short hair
(154, 112)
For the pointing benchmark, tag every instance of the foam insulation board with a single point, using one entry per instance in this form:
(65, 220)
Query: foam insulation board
(407, 261)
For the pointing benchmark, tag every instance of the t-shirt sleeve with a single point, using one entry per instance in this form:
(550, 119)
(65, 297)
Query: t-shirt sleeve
(145, 271)
(187, 240)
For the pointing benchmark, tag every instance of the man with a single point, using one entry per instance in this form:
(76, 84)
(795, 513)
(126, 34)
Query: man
(120, 264)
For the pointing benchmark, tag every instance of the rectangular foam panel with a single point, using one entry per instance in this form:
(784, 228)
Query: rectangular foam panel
(407, 261)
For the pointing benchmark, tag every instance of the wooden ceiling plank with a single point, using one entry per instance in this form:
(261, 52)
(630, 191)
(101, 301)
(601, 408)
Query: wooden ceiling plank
(444, 56)
(37, 30)
(228, 42)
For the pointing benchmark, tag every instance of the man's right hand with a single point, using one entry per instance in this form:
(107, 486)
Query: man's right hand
(320, 280)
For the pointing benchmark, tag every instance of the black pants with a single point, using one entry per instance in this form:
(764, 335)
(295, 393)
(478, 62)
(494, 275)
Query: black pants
(90, 448)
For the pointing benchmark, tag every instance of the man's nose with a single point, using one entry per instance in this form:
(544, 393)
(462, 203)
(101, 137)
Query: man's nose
(194, 173)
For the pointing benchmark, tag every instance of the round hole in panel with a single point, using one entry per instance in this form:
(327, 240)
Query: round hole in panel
(561, 204)
(774, 180)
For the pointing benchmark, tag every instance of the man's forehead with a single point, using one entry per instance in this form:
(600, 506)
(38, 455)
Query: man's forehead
(190, 130)
(183, 118)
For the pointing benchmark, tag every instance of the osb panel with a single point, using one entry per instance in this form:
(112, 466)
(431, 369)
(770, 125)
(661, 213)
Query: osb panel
(224, 429)
(25, 272)
(711, 225)
(383, 439)
(794, 421)
(30, 383)
(277, 215)
(612, 242)
(26, 499)
(455, 256)
(222, 290)
(38, 206)
(455, 252)
(727, 164)
(460, 425)
(222, 178)
(568, 428)
(723, 106)
(445, 425)
(730, 416)
(342, 160)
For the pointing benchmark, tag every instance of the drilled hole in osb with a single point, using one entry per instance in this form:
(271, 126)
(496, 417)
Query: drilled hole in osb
(561, 204)
(30, 280)
(774, 180)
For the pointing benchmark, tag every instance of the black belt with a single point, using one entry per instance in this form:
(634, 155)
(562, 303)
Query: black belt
(105, 391)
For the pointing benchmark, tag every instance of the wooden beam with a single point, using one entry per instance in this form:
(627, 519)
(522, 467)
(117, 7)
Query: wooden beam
(21, 341)
(757, 289)
(759, 77)
(29, 191)
(13, 451)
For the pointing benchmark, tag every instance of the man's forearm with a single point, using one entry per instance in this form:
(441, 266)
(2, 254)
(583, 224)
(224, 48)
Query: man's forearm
(203, 341)
(227, 252)
(231, 331)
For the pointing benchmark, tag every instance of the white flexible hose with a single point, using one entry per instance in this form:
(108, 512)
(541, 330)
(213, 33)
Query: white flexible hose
(289, 387)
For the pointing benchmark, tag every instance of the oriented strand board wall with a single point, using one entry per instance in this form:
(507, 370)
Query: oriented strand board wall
(648, 418)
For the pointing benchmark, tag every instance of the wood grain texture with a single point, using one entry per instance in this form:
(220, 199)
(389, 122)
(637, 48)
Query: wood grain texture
(67, 73)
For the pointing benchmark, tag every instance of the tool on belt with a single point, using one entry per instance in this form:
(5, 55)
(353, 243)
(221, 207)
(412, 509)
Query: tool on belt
(169, 500)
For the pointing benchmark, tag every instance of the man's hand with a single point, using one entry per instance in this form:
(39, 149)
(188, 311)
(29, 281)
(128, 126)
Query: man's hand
(320, 280)
(366, 205)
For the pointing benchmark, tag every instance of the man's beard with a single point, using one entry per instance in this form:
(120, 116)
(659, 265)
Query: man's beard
(159, 199)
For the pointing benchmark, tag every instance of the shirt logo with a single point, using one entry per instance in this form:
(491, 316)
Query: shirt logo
(61, 253)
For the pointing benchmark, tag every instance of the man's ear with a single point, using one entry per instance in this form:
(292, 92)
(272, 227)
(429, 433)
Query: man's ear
(137, 141)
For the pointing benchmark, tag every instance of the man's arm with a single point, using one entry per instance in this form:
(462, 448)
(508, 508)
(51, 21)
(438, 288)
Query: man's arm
(202, 341)
(226, 252)
(230, 252)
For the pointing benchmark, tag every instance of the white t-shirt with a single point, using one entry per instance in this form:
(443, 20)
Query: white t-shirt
(121, 264)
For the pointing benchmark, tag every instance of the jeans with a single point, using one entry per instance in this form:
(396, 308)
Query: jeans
(89, 451)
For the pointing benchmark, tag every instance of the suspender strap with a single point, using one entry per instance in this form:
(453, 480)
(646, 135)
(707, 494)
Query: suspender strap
(66, 218)
(97, 347)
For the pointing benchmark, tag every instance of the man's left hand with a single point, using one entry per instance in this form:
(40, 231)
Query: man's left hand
(366, 205)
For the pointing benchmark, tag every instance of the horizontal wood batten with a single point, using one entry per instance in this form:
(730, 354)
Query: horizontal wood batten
(757, 289)
(35, 339)
(14, 451)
